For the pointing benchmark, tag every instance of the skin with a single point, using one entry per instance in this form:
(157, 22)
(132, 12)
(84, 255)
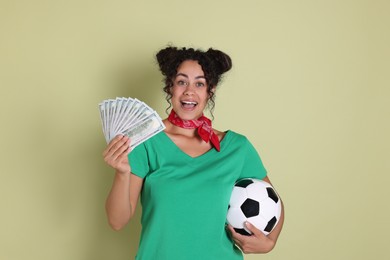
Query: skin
(189, 87)
(189, 99)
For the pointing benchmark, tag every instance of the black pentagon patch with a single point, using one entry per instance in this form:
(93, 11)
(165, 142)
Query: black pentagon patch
(250, 208)
(272, 194)
(242, 231)
(270, 225)
(243, 183)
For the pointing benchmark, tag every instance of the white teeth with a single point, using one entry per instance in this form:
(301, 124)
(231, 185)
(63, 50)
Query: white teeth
(189, 102)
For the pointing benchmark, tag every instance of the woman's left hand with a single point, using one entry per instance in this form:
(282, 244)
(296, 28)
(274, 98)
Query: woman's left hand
(256, 243)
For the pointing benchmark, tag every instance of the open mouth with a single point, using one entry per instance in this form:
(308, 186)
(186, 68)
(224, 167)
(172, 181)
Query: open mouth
(189, 104)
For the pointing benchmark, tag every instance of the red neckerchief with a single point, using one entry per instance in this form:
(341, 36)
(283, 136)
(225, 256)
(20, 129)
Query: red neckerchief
(203, 124)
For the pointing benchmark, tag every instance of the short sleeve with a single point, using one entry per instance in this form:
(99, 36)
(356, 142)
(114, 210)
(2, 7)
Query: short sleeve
(253, 166)
(139, 161)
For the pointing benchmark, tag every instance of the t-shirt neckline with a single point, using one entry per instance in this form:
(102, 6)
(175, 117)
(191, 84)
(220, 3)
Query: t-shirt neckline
(206, 154)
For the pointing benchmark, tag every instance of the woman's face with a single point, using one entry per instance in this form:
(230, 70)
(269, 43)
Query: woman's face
(189, 91)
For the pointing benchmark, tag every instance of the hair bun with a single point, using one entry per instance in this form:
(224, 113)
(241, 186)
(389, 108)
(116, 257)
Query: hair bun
(222, 61)
(166, 58)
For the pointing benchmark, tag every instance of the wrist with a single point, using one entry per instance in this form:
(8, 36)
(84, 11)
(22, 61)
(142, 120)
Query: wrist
(122, 174)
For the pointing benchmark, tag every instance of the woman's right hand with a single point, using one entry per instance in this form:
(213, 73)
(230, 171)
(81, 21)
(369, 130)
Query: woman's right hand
(116, 152)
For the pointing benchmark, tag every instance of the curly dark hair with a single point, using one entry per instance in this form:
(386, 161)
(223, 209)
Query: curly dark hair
(214, 63)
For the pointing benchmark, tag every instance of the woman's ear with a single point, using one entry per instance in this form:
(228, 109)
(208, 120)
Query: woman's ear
(170, 88)
(212, 91)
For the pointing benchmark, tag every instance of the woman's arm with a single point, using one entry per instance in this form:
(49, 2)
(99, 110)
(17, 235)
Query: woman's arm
(258, 242)
(123, 197)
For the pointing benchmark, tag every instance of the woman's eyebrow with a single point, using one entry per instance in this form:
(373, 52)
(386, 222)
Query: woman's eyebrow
(186, 76)
(182, 74)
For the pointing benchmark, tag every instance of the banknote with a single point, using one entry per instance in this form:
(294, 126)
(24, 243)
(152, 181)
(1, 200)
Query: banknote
(131, 117)
(145, 129)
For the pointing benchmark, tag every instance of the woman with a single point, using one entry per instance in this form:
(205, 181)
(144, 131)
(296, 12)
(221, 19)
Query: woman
(186, 173)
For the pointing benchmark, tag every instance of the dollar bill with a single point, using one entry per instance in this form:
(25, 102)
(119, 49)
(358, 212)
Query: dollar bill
(145, 129)
(131, 117)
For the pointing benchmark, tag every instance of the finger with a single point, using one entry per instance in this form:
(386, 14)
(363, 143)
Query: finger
(235, 241)
(120, 149)
(114, 144)
(117, 153)
(237, 238)
(111, 144)
(116, 139)
(230, 229)
(234, 233)
(256, 232)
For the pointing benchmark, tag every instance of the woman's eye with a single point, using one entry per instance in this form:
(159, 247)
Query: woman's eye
(200, 84)
(181, 83)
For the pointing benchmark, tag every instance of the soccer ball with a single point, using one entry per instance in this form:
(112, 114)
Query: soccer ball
(255, 201)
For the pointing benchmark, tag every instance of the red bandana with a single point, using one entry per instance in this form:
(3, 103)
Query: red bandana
(203, 124)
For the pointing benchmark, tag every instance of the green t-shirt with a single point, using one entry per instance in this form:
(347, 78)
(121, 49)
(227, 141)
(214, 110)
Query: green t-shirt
(185, 200)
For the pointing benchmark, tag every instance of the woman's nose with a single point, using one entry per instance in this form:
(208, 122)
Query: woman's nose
(189, 90)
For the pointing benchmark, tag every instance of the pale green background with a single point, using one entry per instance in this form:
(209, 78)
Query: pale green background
(309, 87)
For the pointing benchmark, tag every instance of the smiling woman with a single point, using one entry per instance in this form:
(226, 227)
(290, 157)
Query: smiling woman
(189, 91)
(212, 64)
(185, 174)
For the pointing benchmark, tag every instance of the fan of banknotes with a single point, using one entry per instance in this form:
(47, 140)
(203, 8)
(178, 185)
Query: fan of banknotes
(131, 117)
